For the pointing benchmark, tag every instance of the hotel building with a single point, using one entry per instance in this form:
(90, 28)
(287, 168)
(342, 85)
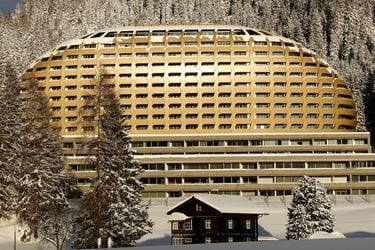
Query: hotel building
(212, 108)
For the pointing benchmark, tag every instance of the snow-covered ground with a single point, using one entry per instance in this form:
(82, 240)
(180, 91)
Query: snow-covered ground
(355, 219)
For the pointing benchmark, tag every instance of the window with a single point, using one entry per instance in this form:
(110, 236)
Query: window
(87, 66)
(261, 53)
(312, 126)
(260, 43)
(208, 105)
(177, 241)
(208, 116)
(224, 105)
(191, 126)
(327, 85)
(265, 94)
(280, 126)
(262, 84)
(188, 240)
(296, 105)
(88, 56)
(296, 126)
(208, 240)
(311, 85)
(278, 53)
(71, 129)
(188, 225)
(141, 117)
(280, 115)
(72, 57)
(312, 116)
(55, 98)
(293, 53)
(225, 126)
(262, 115)
(312, 95)
(71, 98)
(279, 84)
(207, 224)
(229, 224)
(158, 117)
(262, 126)
(56, 58)
(296, 95)
(296, 115)
(55, 78)
(262, 105)
(327, 105)
(191, 116)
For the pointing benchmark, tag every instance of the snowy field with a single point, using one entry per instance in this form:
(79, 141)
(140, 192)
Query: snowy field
(355, 219)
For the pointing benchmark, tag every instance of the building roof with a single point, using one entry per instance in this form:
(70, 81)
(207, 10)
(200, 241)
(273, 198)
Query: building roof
(225, 204)
(176, 216)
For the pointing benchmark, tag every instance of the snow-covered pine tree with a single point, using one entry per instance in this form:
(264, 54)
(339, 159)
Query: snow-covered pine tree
(113, 208)
(56, 224)
(298, 225)
(42, 184)
(10, 138)
(309, 211)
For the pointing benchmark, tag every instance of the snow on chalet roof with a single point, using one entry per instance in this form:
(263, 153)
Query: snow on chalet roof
(176, 216)
(226, 204)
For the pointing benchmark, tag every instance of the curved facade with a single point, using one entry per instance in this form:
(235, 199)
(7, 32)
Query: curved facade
(199, 79)
(210, 108)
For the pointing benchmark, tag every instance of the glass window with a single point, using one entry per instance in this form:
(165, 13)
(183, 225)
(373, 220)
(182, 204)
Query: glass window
(177, 241)
(188, 225)
(207, 224)
(229, 224)
(247, 224)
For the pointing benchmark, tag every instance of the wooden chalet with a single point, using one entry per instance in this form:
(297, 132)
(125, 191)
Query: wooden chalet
(209, 218)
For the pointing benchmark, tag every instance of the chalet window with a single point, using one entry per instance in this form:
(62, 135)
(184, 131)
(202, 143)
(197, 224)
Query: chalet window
(198, 207)
(188, 225)
(208, 240)
(175, 225)
(207, 224)
(177, 241)
(247, 224)
(229, 224)
(188, 240)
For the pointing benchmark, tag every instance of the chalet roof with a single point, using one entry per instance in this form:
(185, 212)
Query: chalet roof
(176, 216)
(226, 204)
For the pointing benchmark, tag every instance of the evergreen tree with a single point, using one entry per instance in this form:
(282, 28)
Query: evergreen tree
(113, 208)
(310, 210)
(56, 224)
(42, 183)
(10, 142)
